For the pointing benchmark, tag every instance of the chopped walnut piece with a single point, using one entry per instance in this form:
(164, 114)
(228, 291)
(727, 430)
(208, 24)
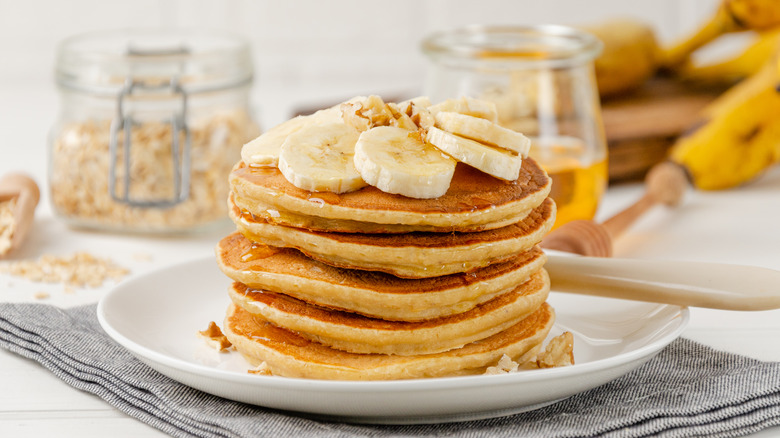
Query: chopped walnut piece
(505, 365)
(558, 353)
(419, 114)
(263, 370)
(367, 113)
(214, 337)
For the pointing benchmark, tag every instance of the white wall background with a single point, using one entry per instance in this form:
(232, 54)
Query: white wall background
(306, 52)
(308, 49)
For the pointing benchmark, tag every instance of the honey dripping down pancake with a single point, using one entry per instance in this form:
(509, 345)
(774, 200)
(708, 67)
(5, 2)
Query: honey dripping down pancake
(389, 241)
(369, 293)
(360, 334)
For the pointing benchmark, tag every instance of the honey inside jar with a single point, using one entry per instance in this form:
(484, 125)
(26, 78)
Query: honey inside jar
(578, 180)
(542, 81)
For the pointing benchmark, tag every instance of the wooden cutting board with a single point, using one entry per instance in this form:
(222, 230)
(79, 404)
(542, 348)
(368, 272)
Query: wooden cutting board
(641, 127)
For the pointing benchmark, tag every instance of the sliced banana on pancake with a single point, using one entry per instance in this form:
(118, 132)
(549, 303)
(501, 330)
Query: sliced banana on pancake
(469, 106)
(483, 131)
(395, 160)
(500, 163)
(263, 151)
(319, 158)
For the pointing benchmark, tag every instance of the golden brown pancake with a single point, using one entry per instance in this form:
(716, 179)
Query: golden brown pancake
(409, 255)
(276, 215)
(369, 285)
(475, 201)
(370, 293)
(360, 334)
(286, 353)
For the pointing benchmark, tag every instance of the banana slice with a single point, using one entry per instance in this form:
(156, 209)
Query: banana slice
(319, 158)
(263, 151)
(500, 163)
(395, 160)
(483, 131)
(469, 106)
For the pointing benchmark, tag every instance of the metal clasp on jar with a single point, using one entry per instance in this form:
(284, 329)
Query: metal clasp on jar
(180, 157)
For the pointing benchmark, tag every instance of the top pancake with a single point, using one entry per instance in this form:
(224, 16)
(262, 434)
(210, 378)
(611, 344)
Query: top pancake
(475, 201)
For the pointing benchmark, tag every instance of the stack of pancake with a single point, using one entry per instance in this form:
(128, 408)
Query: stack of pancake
(368, 285)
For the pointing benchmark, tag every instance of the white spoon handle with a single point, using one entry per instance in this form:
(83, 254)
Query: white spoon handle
(716, 286)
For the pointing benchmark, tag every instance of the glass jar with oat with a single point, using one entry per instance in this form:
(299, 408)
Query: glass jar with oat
(542, 81)
(150, 124)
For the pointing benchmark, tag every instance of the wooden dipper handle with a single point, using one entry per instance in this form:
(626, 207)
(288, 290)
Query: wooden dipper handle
(580, 237)
(665, 183)
(27, 194)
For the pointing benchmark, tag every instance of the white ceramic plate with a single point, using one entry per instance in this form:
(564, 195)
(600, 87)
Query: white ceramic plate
(156, 316)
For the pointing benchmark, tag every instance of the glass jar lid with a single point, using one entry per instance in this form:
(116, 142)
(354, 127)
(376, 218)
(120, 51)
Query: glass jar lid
(200, 61)
(509, 46)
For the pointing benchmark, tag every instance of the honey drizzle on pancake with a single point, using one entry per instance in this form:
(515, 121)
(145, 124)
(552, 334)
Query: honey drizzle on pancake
(272, 334)
(324, 198)
(467, 180)
(259, 251)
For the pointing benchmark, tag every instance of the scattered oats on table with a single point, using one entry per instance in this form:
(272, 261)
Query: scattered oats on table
(41, 295)
(80, 269)
(142, 257)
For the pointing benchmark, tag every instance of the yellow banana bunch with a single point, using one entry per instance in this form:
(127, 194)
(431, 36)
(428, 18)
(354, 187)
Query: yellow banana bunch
(629, 56)
(740, 138)
(731, 16)
(732, 70)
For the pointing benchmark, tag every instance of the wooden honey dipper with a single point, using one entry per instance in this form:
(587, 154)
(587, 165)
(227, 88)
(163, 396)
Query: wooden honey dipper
(665, 183)
(24, 189)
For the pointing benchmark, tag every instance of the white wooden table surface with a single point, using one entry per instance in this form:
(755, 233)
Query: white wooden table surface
(738, 226)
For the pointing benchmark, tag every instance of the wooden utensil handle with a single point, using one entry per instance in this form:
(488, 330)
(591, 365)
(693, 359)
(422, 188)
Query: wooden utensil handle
(27, 195)
(21, 184)
(666, 183)
(580, 237)
(717, 286)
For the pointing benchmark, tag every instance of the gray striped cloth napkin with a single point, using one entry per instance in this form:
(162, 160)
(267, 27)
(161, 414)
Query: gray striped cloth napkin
(687, 390)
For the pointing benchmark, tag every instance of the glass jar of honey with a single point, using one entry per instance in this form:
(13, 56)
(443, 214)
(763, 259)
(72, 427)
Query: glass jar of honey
(151, 122)
(542, 81)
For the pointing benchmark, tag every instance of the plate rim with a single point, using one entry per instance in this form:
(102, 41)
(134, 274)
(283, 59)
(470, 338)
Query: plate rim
(355, 387)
